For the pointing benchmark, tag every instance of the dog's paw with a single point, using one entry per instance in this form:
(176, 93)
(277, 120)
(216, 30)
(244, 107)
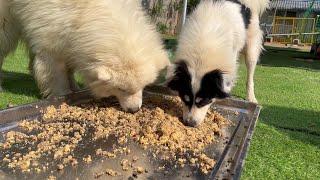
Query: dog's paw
(251, 96)
(252, 99)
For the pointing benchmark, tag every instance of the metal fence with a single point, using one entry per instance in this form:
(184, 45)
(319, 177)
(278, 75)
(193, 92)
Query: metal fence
(287, 30)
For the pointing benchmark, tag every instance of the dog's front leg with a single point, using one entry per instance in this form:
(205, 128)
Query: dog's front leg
(51, 76)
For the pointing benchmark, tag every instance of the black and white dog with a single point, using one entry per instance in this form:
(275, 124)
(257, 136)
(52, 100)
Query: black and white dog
(206, 62)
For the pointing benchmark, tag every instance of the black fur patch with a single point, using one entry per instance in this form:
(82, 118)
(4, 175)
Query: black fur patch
(211, 87)
(181, 82)
(245, 12)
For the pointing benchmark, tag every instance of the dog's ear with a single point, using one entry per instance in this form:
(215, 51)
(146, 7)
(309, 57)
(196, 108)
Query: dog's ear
(178, 76)
(221, 94)
(212, 85)
(101, 73)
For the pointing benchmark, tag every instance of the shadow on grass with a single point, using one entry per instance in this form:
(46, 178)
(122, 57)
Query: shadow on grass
(20, 83)
(303, 122)
(274, 58)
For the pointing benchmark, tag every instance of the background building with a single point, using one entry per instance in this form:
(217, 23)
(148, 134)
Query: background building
(295, 21)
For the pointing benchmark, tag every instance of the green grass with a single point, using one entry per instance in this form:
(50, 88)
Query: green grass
(286, 142)
(19, 86)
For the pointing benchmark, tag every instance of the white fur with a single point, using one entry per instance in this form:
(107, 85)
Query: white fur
(111, 43)
(209, 40)
(9, 34)
(212, 38)
(195, 115)
(257, 6)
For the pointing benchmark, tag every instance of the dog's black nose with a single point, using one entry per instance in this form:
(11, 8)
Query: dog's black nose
(133, 110)
(191, 123)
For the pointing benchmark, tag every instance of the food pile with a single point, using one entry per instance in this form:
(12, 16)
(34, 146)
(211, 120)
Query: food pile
(156, 127)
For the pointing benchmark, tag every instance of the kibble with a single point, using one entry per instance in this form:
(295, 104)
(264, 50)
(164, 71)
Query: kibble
(156, 127)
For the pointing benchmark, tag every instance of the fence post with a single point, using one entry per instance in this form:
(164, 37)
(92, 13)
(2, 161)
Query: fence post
(184, 15)
(313, 31)
(292, 31)
(274, 28)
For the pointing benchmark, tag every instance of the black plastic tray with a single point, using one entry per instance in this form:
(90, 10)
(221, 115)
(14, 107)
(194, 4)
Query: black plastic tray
(230, 150)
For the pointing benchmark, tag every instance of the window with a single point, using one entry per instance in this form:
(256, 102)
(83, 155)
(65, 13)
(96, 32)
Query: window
(291, 14)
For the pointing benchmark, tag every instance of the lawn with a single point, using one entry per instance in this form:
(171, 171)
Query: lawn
(286, 143)
(19, 86)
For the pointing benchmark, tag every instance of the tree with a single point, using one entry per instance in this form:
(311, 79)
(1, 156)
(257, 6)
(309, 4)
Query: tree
(165, 14)
(168, 14)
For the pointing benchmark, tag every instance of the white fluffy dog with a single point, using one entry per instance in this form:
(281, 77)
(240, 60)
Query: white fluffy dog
(111, 43)
(206, 61)
(10, 34)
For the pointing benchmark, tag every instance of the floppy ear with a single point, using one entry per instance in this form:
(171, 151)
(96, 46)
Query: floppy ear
(179, 77)
(212, 85)
(101, 74)
(221, 94)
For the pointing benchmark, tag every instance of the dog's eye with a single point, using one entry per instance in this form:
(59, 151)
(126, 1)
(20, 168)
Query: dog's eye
(122, 90)
(198, 100)
(186, 98)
